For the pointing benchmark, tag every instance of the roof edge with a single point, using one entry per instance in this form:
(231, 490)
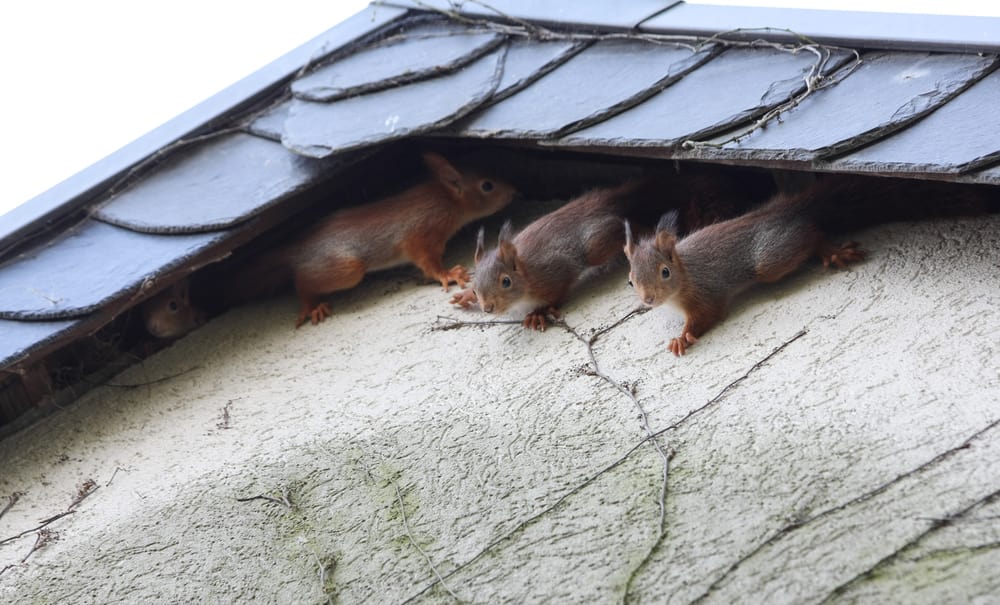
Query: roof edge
(860, 29)
(70, 195)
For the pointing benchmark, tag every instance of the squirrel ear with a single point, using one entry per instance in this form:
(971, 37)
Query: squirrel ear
(480, 246)
(446, 174)
(505, 249)
(666, 234)
(668, 223)
(629, 243)
(506, 232)
(508, 254)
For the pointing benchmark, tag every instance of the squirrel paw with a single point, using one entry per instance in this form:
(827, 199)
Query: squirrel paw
(536, 319)
(313, 316)
(842, 255)
(678, 345)
(465, 299)
(457, 275)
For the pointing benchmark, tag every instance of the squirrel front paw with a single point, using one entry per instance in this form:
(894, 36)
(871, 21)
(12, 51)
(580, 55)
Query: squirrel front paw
(457, 275)
(465, 299)
(842, 255)
(678, 345)
(314, 315)
(536, 319)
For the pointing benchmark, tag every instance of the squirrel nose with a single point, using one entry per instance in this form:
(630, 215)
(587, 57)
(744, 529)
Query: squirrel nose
(488, 307)
(648, 299)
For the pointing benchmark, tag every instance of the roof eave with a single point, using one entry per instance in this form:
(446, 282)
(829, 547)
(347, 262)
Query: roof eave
(72, 194)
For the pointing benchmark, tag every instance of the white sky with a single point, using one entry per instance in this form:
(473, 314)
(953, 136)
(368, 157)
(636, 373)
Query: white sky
(83, 78)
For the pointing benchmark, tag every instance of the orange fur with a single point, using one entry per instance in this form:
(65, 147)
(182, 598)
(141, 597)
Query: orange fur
(704, 271)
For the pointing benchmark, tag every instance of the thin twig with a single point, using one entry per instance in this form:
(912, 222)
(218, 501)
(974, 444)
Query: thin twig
(42, 539)
(136, 385)
(322, 577)
(661, 528)
(413, 541)
(870, 494)
(285, 499)
(608, 468)
(87, 488)
(911, 543)
(11, 501)
(115, 474)
(455, 324)
(731, 385)
(813, 80)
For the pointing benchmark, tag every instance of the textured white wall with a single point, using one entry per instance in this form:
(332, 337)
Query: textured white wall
(826, 472)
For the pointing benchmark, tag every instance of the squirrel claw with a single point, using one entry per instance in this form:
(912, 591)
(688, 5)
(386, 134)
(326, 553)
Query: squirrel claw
(678, 345)
(465, 298)
(534, 321)
(313, 316)
(457, 275)
(842, 255)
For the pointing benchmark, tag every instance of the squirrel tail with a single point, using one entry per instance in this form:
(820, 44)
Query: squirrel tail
(841, 203)
(701, 194)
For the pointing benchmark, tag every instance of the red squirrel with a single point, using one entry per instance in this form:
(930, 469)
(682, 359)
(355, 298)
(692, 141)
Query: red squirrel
(535, 270)
(702, 272)
(412, 226)
(170, 314)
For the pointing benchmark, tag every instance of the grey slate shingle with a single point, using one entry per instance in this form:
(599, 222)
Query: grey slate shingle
(598, 82)
(214, 185)
(731, 89)
(888, 91)
(322, 129)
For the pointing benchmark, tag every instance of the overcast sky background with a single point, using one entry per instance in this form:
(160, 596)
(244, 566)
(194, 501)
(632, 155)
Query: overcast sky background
(83, 78)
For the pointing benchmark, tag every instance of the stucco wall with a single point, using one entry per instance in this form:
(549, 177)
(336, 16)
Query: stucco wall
(860, 462)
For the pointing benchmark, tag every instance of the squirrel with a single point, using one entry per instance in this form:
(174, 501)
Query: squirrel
(170, 314)
(536, 269)
(411, 226)
(702, 272)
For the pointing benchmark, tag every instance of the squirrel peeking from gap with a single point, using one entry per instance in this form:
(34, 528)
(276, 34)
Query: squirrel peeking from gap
(412, 226)
(534, 271)
(702, 272)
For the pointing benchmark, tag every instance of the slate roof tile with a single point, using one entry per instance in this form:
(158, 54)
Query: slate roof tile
(959, 136)
(321, 129)
(213, 185)
(528, 60)
(18, 338)
(88, 266)
(888, 91)
(600, 14)
(843, 28)
(733, 88)
(78, 191)
(600, 81)
(426, 50)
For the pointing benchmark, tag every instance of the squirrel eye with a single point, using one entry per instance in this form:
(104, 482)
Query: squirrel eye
(665, 273)
(505, 282)
(486, 186)
(173, 305)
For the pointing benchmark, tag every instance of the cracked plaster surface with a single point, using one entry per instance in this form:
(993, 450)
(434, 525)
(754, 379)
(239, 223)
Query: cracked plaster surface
(857, 464)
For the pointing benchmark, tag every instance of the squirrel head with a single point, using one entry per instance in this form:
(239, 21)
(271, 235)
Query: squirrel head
(170, 313)
(499, 282)
(654, 267)
(479, 195)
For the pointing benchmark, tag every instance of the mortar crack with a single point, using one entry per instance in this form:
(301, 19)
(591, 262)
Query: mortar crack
(792, 527)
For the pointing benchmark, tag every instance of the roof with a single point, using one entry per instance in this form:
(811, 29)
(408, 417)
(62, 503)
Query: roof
(813, 90)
